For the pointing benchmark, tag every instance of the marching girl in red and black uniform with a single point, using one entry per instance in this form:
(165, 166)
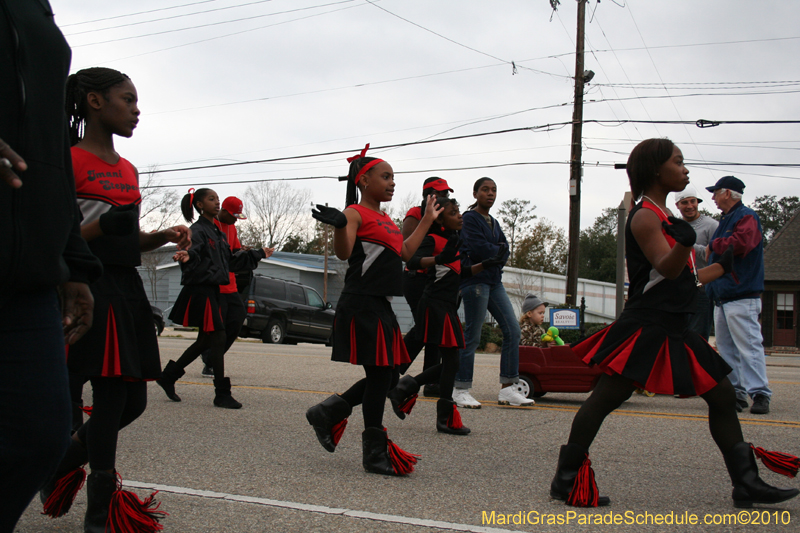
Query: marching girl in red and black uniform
(204, 267)
(414, 280)
(365, 330)
(120, 353)
(651, 347)
(436, 318)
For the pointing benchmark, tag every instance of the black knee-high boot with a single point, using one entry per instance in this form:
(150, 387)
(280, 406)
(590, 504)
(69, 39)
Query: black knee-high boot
(448, 419)
(404, 396)
(99, 488)
(59, 493)
(108, 505)
(748, 487)
(223, 398)
(329, 419)
(171, 373)
(382, 456)
(574, 479)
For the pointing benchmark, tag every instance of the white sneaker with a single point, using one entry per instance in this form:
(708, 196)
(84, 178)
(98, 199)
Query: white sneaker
(464, 399)
(510, 396)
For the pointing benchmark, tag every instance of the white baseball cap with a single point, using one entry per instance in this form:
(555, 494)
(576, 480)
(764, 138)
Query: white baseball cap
(688, 192)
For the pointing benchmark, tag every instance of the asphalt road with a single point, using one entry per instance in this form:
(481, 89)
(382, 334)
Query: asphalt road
(261, 469)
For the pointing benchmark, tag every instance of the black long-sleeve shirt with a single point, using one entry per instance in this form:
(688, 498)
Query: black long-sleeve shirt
(210, 257)
(42, 245)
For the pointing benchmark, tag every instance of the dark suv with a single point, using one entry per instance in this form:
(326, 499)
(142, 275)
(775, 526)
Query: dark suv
(280, 311)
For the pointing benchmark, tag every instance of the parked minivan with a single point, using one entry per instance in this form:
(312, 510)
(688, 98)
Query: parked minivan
(280, 311)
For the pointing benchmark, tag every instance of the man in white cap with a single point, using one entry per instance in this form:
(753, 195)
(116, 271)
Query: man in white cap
(687, 201)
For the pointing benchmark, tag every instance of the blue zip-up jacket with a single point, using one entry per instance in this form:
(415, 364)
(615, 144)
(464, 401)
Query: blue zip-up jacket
(480, 242)
(741, 228)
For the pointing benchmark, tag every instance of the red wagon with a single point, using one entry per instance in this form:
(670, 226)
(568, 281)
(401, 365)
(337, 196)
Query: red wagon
(554, 369)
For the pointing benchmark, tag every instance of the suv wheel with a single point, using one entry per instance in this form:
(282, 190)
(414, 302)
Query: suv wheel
(276, 332)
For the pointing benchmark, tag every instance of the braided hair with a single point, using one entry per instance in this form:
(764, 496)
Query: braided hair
(79, 85)
(189, 202)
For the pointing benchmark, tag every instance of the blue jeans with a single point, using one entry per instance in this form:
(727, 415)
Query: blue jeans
(34, 399)
(739, 342)
(479, 298)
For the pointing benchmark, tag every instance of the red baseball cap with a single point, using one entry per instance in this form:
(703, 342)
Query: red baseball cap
(438, 184)
(234, 206)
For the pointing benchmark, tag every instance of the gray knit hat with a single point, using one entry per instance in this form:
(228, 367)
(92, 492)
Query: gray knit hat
(531, 302)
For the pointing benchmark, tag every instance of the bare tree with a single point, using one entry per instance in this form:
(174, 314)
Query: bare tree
(397, 208)
(150, 262)
(515, 214)
(275, 211)
(160, 207)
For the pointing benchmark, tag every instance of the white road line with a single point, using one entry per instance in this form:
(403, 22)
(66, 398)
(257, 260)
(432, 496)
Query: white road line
(319, 509)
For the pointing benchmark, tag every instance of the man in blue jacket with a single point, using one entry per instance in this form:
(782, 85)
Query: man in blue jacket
(737, 295)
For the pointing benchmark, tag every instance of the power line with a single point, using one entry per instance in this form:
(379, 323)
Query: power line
(134, 14)
(229, 34)
(167, 18)
(543, 127)
(372, 3)
(218, 23)
(696, 164)
(423, 171)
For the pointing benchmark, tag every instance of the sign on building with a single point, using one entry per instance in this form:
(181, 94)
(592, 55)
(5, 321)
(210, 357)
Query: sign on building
(565, 318)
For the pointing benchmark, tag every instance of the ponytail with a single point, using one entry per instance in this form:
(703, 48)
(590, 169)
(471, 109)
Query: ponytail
(189, 202)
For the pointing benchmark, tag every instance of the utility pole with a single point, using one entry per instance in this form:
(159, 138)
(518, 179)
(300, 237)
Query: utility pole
(575, 164)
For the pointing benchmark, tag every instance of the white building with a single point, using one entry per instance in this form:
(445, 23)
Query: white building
(162, 283)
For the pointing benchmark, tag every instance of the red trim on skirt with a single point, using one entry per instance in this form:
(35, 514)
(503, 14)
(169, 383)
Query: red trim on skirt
(111, 364)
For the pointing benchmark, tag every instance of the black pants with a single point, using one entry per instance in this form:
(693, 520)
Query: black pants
(370, 393)
(34, 397)
(413, 286)
(612, 390)
(115, 404)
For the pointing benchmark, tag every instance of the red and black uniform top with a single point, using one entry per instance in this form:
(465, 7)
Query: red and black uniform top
(415, 212)
(649, 289)
(443, 280)
(375, 263)
(99, 186)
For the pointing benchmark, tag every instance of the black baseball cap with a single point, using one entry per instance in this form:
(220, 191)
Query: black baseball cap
(728, 182)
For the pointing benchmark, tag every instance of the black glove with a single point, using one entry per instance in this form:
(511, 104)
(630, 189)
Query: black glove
(498, 259)
(681, 231)
(120, 220)
(726, 260)
(450, 250)
(329, 215)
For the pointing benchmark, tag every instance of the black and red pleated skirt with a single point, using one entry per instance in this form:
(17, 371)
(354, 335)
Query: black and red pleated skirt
(657, 351)
(122, 341)
(366, 332)
(439, 324)
(198, 306)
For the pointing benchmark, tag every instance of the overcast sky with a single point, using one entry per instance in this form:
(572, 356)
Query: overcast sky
(224, 81)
